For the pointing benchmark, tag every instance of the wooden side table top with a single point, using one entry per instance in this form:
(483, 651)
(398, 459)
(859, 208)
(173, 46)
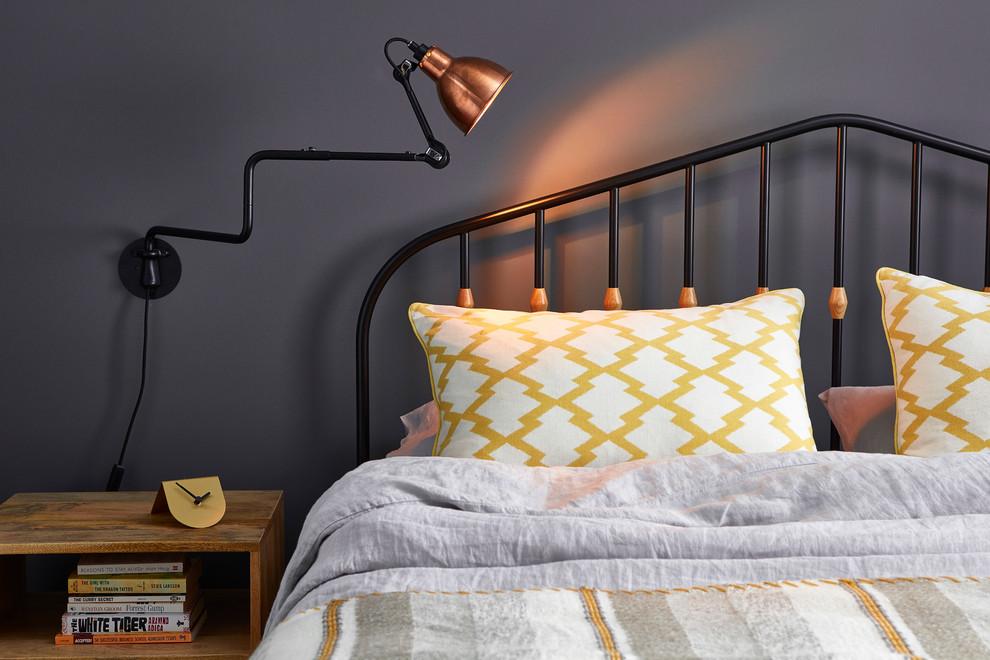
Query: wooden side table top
(53, 523)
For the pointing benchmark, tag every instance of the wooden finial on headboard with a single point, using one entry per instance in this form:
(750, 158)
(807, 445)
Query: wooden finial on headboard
(538, 301)
(837, 302)
(688, 297)
(613, 299)
(465, 298)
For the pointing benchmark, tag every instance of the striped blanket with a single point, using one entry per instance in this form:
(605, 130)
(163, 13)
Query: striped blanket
(941, 617)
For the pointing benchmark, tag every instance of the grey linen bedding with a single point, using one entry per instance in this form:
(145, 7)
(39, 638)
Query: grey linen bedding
(439, 524)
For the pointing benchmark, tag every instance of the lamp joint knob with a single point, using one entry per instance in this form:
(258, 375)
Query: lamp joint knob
(144, 253)
(403, 70)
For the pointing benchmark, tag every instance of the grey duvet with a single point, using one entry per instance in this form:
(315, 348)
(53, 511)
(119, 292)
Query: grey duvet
(462, 525)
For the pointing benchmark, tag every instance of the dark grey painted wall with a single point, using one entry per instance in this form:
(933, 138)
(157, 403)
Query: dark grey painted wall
(117, 115)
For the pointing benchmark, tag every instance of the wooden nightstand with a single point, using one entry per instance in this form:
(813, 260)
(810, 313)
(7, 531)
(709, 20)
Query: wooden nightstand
(76, 523)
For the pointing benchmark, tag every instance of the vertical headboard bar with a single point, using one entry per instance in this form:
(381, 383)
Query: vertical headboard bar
(986, 268)
(916, 158)
(538, 300)
(838, 275)
(763, 276)
(613, 299)
(837, 300)
(688, 297)
(538, 248)
(464, 296)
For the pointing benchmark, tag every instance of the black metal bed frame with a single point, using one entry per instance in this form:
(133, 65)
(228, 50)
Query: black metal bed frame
(687, 163)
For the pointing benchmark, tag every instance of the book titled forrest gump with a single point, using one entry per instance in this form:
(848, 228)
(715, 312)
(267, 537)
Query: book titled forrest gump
(110, 604)
(136, 583)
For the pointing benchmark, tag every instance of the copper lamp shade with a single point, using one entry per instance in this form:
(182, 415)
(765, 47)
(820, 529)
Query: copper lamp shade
(466, 85)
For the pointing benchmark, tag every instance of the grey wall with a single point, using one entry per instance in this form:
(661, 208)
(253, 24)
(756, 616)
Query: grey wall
(117, 115)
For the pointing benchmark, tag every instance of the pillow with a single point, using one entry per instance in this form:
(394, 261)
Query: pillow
(421, 429)
(596, 388)
(863, 416)
(939, 338)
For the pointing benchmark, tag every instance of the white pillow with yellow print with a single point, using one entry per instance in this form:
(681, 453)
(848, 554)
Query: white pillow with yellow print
(939, 337)
(597, 388)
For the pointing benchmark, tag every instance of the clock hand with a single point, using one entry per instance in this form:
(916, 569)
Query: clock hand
(197, 499)
(185, 489)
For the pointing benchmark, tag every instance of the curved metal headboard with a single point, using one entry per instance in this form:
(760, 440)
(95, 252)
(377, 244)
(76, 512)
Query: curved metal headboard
(686, 163)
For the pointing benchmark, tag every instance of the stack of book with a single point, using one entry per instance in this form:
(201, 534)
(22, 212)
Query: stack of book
(133, 598)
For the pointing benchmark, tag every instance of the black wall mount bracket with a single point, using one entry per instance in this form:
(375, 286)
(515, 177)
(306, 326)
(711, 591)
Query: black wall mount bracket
(153, 272)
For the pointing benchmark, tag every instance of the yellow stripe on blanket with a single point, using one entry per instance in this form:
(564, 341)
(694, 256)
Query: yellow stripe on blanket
(874, 611)
(330, 622)
(596, 617)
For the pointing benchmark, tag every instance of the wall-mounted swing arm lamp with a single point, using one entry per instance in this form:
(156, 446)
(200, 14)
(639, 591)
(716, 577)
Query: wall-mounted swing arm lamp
(150, 268)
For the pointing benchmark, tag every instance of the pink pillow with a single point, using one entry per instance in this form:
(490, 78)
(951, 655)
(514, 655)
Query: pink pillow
(421, 430)
(863, 416)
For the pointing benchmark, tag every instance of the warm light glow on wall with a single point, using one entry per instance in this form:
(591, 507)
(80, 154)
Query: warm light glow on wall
(665, 104)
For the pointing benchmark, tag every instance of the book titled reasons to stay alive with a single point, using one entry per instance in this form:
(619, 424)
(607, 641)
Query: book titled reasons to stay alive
(137, 583)
(144, 622)
(68, 639)
(132, 562)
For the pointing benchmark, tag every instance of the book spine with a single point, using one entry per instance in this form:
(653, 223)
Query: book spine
(68, 639)
(149, 567)
(132, 562)
(63, 639)
(123, 585)
(130, 606)
(125, 623)
(133, 598)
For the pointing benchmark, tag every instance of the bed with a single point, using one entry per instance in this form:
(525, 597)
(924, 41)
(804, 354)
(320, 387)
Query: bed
(647, 483)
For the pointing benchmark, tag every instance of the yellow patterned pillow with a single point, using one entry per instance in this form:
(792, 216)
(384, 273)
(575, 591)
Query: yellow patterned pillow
(939, 337)
(596, 388)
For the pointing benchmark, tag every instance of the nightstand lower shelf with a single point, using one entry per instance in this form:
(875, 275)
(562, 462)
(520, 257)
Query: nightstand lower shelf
(29, 632)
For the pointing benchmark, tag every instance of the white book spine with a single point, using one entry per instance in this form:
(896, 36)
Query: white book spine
(125, 568)
(131, 563)
(177, 606)
(130, 598)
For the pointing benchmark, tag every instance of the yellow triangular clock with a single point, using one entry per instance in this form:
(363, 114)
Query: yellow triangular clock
(193, 502)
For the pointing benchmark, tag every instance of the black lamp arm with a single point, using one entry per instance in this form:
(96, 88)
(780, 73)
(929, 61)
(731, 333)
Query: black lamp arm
(150, 251)
(275, 154)
(437, 154)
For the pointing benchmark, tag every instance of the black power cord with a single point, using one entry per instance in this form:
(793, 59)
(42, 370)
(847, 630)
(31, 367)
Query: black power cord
(117, 472)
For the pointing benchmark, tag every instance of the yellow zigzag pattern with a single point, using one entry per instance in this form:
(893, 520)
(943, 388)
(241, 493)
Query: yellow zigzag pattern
(501, 379)
(907, 299)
